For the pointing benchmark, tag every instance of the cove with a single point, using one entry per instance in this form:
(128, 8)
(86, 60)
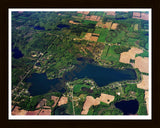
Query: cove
(102, 76)
(128, 107)
(41, 85)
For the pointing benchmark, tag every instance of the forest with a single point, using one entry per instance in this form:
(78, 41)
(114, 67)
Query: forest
(49, 43)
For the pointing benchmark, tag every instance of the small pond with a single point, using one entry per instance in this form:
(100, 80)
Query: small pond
(39, 28)
(128, 107)
(63, 26)
(17, 53)
(122, 18)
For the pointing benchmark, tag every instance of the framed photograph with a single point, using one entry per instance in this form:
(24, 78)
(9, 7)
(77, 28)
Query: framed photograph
(80, 63)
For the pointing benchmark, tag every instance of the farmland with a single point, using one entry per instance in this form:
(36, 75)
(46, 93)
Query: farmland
(49, 48)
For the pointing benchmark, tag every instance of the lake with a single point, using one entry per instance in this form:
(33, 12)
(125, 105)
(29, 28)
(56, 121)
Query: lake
(128, 107)
(17, 53)
(41, 85)
(102, 76)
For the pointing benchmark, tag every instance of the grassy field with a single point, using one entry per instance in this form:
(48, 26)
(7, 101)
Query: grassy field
(88, 22)
(111, 56)
(98, 30)
(131, 41)
(147, 46)
(77, 88)
(97, 13)
(115, 37)
(69, 109)
(120, 37)
(144, 54)
(82, 34)
(79, 14)
(103, 33)
(105, 52)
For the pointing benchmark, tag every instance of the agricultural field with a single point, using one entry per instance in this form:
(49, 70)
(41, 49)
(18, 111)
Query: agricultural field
(109, 54)
(80, 63)
(103, 34)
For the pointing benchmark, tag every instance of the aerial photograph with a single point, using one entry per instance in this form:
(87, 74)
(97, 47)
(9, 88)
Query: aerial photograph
(79, 63)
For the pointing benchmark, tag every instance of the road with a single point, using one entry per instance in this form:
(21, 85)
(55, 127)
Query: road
(73, 102)
(21, 81)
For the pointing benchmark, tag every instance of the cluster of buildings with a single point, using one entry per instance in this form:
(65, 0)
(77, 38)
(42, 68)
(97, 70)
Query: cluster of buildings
(41, 108)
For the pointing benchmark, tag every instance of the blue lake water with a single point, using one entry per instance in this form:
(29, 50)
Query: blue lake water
(17, 53)
(41, 85)
(128, 107)
(102, 76)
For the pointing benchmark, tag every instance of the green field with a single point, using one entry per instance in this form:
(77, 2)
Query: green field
(103, 33)
(111, 56)
(88, 22)
(79, 14)
(59, 47)
(115, 37)
(144, 54)
(77, 88)
(105, 52)
(97, 13)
